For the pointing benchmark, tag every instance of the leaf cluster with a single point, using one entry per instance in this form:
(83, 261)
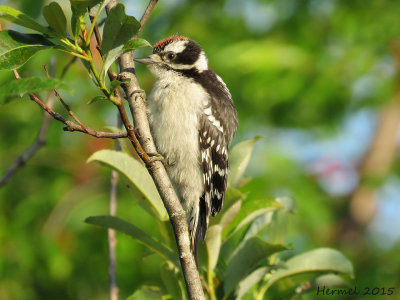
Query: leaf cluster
(17, 48)
(241, 256)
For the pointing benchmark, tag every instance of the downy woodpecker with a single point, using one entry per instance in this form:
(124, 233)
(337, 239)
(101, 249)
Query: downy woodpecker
(193, 120)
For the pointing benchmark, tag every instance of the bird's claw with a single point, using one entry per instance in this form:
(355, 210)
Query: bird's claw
(139, 92)
(158, 157)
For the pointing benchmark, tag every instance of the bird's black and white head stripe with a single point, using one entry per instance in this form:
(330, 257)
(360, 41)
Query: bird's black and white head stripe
(186, 51)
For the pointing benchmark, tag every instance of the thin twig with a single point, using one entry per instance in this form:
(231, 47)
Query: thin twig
(71, 126)
(112, 238)
(66, 106)
(67, 66)
(39, 142)
(146, 14)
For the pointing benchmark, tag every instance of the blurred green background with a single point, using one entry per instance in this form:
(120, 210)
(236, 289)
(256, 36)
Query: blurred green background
(318, 79)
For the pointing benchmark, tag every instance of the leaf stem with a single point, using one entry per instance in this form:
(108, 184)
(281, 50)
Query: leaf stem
(67, 43)
(100, 82)
(94, 22)
(74, 53)
(262, 292)
(211, 285)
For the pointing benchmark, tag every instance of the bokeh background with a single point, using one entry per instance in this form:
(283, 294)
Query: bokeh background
(318, 79)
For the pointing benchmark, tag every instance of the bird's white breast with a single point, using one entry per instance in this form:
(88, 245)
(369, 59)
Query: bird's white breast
(173, 115)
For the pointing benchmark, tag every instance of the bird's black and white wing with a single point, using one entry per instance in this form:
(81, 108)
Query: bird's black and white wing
(218, 123)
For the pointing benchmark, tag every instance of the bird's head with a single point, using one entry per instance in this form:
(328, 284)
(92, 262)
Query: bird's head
(175, 54)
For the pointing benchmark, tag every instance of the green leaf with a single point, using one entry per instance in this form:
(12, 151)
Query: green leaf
(169, 276)
(230, 214)
(277, 229)
(79, 10)
(29, 85)
(330, 280)
(136, 233)
(246, 284)
(259, 224)
(118, 51)
(147, 293)
(232, 195)
(125, 143)
(136, 44)
(98, 98)
(239, 158)
(95, 8)
(79, 7)
(32, 8)
(213, 245)
(250, 210)
(21, 19)
(55, 17)
(118, 30)
(137, 174)
(116, 83)
(245, 258)
(77, 24)
(324, 260)
(232, 205)
(16, 48)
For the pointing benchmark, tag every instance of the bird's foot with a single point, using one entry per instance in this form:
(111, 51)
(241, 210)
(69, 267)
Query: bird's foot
(139, 92)
(158, 157)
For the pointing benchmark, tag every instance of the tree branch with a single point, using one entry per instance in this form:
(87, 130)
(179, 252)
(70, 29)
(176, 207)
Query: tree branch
(379, 158)
(41, 139)
(40, 142)
(71, 126)
(66, 106)
(146, 14)
(156, 169)
(376, 163)
(112, 238)
(120, 103)
(67, 66)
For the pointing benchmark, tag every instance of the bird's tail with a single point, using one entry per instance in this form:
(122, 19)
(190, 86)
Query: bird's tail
(198, 223)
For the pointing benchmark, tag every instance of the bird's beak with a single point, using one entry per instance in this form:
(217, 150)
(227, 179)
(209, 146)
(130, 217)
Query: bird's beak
(152, 59)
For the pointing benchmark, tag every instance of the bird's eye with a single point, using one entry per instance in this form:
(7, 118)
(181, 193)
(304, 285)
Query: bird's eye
(171, 56)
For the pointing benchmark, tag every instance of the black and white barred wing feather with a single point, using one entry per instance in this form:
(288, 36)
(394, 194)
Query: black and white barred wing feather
(218, 124)
(214, 159)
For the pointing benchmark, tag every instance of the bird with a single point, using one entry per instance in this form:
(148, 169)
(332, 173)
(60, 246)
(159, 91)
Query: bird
(193, 120)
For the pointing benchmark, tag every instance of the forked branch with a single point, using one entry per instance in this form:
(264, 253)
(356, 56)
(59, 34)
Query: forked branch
(71, 126)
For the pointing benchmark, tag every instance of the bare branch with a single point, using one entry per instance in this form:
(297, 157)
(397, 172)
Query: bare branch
(71, 126)
(68, 108)
(147, 13)
(156, 169)
(95, 133)
(379, 158)
(67, 66)
(377, 163)
(112, 238)
(39, 142)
